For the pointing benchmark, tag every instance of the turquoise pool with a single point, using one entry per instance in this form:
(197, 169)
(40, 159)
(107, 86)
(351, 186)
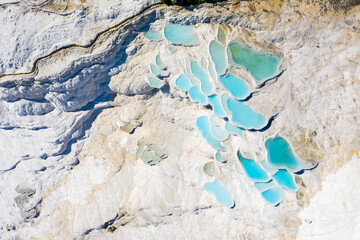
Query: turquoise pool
(253, 170)
(203, 124)
(156, 70)
(159, 62)
(183, 83)
(219, 133)
(286, 180)
(156, 82)
(263, 186)
(273, 195)
(221, 193)
(245, 116)
(261, 66)
(216, 105)
(233, 129)
(201, 74)
(219, 157)
(270, 169)
(153, 35)
(238, 88)
(281, 155)
(197, 96)
(218, 55)
(181, 34)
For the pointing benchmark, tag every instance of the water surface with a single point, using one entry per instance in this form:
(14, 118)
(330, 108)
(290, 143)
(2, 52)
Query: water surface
(262, 66)
(153, 35)
(244, 116)
(281, 155)
(203, 124)
(252, 169)
(286, 180)
(221, 193)
(218, 55)
(181, 34)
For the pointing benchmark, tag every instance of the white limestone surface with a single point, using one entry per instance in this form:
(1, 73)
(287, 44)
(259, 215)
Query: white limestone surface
(69, 164)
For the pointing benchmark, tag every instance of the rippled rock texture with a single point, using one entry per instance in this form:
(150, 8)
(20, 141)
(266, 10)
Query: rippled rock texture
(90, 149)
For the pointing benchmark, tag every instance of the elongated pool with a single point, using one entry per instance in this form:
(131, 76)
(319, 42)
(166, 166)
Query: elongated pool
(204, 125)
(153, 35)
(238, 88)
(286, 180)
(273, 195)
(244, 116)
(221, 193)
(254, 170)
(201, 74)
(181, 34)
(218, 55)
(281, 155)
(261, 66)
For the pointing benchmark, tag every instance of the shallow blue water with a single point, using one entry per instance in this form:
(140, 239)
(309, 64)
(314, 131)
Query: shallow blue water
(254, 170)
(273, 195)
(216, 105)
(156, 70)
(270, 169)
(219, 133)
(218, 55)
(281, 155)
(181, 34)
(153, 35)
(221, 193)
(156, 82)
(224, 99)
(203, 123)
(183, 83)
(238, 88)
(245, 116)
(233, 129)
(263, 186)
(197, 96)
(286, 180)
(200, 73)
(219, 157)
(159, 62)
(261, 66)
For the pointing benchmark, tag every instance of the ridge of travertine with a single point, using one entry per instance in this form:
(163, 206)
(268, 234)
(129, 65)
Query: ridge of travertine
(70, 171)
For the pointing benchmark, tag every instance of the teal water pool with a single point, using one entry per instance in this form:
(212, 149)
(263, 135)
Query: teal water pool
(201, 74)
(218, 55)
(273, 195)
(219, 133)
(156, 70)
(159, 62)
(261, 66)
(281, 155)
(221, 193)
(203, 124)
(253, 170)
(219, 157)
(197, 96)
(270, 169)
(216, 105)
(153, 35)
(238, 88)
(181, 34)
(233, 129)
(156, 82)
(244, 116)
(286, 180)
(263, 186)
(183, 83)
